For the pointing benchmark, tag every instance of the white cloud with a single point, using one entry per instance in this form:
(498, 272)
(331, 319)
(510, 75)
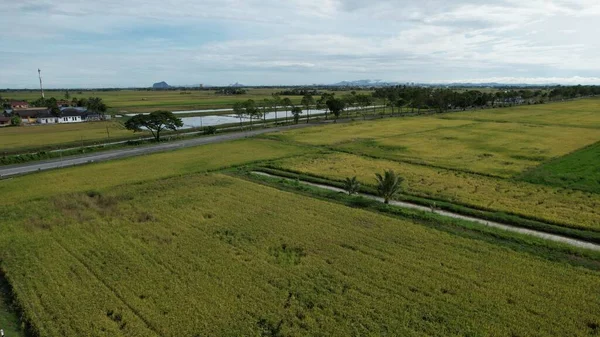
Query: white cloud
(115, 42)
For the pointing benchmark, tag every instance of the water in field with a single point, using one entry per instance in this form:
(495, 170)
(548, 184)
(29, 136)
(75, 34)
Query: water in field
(214, 120)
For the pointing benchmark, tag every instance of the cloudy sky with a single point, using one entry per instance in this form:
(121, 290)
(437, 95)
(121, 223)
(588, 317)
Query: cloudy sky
(117, 43)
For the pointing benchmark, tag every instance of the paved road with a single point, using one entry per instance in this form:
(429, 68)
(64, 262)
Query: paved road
(13, 170)
(539, 234)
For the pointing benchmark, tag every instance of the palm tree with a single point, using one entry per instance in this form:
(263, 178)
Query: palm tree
(287, 103)
(351, 185)
(388, 185)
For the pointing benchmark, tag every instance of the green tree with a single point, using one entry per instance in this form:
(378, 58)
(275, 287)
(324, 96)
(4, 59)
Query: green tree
(95, 104)
(296, 111)
(267, 106)
(363, 102)
(15, 120)
(251, 110)
(308, 101)
(322, 103)
(350, 100)
(351, 185)
(388, 185)
(276, 102)
(239, 111)
(67, 95)
(286, 103)
(336, 106)
(156, 122)
(399, 103)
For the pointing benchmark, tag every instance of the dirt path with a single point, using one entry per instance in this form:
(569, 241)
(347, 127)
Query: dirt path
(510, 228)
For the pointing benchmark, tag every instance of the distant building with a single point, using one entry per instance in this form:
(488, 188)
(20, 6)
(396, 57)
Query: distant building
(19, 105)
(29, 115)
(63, 103)
(47, 118)
(70, 116)
(4, 121)
(66, 116)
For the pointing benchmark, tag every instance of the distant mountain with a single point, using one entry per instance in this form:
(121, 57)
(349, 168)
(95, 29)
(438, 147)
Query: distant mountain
(364, 83)
(237, 85)
(161, 85)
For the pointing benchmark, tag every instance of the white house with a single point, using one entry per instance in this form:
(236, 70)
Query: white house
(65, 117)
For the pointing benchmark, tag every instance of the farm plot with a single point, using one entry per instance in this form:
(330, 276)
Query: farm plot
(211, 255)
(572, 208)
(579, 170)
(46, 136)
(499, 149)
(138, 169)
(365, 130)
(583, 113)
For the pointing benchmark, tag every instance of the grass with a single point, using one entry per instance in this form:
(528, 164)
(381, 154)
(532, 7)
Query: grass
(336, 134)
(133, 101)
(578, 170)
(9, 320)
(579, 113)
(499, 149)
(22, 139)
(140, 169)
(215, 255)
(575, 209)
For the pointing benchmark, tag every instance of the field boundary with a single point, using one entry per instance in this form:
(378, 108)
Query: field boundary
(551, 250)
(463, 209)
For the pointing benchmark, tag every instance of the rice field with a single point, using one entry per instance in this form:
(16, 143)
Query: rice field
(177, 244)
(134, 101)
(578, 170)
(34, 137)
(499, 149)
(583, 113)
(572, 208)
(139, 169)
(336, 134)
(213, 255)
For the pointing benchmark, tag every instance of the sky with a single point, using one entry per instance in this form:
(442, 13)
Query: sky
(134, 43)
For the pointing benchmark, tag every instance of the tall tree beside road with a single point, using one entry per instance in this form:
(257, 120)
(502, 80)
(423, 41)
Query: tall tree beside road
(239, 111)
(155, 122)
(286, 103)
(308, 101)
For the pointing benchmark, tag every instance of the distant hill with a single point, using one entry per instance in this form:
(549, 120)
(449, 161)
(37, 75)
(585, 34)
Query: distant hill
(161, 85)
(364, 83)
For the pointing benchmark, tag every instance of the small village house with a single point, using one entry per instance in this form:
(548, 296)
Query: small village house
(4, 121)
(29, 116)
(19, 105)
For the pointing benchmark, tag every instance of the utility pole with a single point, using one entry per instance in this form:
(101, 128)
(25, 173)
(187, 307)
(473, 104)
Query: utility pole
(41, 86)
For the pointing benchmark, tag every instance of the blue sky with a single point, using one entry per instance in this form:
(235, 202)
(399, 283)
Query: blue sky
(115, 43)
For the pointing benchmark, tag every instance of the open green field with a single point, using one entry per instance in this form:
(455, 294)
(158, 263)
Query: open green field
(578, 170)
(582, 113)
(185, 244)
(471, 160)
(499, 149)
(577, 209)
(212, 255)
(133, 101)
(38, 136)
(145, 168)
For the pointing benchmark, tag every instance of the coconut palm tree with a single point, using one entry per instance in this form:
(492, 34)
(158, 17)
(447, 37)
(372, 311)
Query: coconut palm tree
(351, 185)
(388, 185)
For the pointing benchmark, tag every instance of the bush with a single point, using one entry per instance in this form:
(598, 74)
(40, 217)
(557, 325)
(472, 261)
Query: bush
(210, 130)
